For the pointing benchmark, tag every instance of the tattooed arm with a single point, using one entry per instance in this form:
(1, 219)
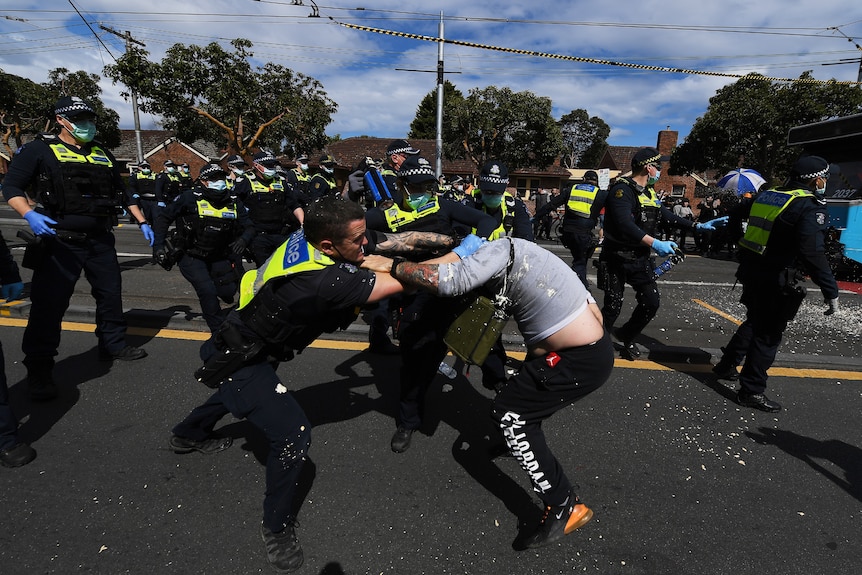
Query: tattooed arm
(412, 243)
(423, 275)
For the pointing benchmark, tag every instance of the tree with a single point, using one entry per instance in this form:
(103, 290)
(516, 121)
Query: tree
(424, 125)
(585, 139)
(516, 128)
(27, 108)
(747, 122)
(211, 94)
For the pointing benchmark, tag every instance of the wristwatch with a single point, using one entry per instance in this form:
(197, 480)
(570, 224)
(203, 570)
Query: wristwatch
(143, 223)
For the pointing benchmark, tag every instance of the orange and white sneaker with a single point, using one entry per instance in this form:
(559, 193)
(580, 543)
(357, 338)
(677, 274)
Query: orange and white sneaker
(558, 521)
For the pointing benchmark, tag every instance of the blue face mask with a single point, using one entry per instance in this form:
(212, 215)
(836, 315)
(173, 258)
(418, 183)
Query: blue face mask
(84, 131)
(328, 170)
(217, 185)
(416, 202)
(269, 172)
(492, 200)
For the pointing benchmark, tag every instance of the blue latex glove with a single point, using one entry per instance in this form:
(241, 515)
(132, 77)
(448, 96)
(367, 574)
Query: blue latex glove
(12, 291)
(664, 248)
(161, 204)
(148, 233)
(713, 224)
(469, 245)
(40, 223)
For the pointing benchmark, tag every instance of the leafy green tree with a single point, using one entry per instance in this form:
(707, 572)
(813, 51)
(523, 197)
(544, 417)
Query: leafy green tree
(27, 108)
(585, 139)
(424, 125)
(516, 128)
(747, 122)
(220, 97)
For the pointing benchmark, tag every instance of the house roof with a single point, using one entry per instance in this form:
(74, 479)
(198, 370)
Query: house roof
(619, 158)
(153, 141)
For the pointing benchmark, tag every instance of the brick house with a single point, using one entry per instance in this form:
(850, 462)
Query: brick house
(161, 145)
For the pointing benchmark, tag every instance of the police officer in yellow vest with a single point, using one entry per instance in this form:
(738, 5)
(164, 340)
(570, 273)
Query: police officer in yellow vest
(312, 285)
(584, 203)
(141, 191)
(167, 184)
(323, 182)
(77, 186)
(632, 215)
(425, 318)
(298, 177)
(272, 206)
(785, 238)
(513, 220)
(212, 230)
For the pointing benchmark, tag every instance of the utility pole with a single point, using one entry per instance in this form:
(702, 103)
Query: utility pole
(129, 40)
(440, 73)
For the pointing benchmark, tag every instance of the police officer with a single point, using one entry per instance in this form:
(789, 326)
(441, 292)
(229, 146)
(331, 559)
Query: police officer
(424, 318)
(323, 182)
(271, 204)
(79, 186)
(212, 229)
(167, 184)
(513, 220)
(298, 177)
(276, 318)
(237, 171)
(632, 215)
(13, 452)
(785, 237)
(141, 191)
(186, 180)
(584, 203)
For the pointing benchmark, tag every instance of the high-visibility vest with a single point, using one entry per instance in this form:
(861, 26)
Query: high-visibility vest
(764, 211)
(581, 199)
(397, 218)
(294, 256)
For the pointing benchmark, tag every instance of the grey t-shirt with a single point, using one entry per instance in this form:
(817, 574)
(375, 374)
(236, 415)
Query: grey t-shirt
(545, 294)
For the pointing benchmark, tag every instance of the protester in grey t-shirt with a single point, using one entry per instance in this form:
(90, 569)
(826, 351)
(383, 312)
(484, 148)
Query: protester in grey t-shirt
(569, 355)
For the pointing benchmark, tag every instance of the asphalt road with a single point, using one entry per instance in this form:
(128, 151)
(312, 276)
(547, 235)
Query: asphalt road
(682, 480)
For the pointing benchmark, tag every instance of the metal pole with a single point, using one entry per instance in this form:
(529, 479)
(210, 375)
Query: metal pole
(440, 100)
(138, 141)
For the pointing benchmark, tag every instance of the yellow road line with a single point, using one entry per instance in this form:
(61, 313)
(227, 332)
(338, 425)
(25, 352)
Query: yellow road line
(645, 365)
(715, 310)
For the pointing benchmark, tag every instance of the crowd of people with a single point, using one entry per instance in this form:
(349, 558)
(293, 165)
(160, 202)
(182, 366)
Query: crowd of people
(393, 241)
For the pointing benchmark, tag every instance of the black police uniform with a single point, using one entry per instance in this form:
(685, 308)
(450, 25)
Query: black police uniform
(142, 193)
(770, 290)
(294, 311)
(167, 187)
(8, 422)
(79, 187)
(631, 212)
(425, 317)
(577, 228)
(208, 222)
(321, 184)
(298, 181)
(270, 204)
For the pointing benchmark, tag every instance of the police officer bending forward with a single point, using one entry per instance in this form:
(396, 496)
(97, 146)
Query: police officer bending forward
(312, 284)
(78, 184)
(213, 229)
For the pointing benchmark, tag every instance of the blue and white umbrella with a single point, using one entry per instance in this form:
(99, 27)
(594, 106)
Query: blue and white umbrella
(741, 180)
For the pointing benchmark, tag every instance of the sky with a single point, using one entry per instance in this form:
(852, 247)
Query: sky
(378, 80)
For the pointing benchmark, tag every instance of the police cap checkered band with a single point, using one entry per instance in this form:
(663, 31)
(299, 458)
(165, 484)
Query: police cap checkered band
(326, 159)
(265, 157)
(810, 167)
(494, 177)
(235, 160)
(170, 164)
(302, 158)
(71, 106)
(416, 170)
(212, 172)
(144, 164)
(646, 156)
(400, 147)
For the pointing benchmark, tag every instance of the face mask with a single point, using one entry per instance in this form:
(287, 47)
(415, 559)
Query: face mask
(303, 167)
(492, 200)
(84, 131)
(185, 170)
(146, 171)
(269, 172)
(328, 170)
(820, 193)
(171, 170)
(217, 185)
(416, 202)
(237, 171)
(654, 178)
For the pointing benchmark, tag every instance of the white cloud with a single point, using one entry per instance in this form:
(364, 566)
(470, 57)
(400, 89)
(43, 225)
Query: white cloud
(358, 69)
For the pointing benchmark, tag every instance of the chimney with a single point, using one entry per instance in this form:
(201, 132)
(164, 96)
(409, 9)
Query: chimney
(667, 139)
